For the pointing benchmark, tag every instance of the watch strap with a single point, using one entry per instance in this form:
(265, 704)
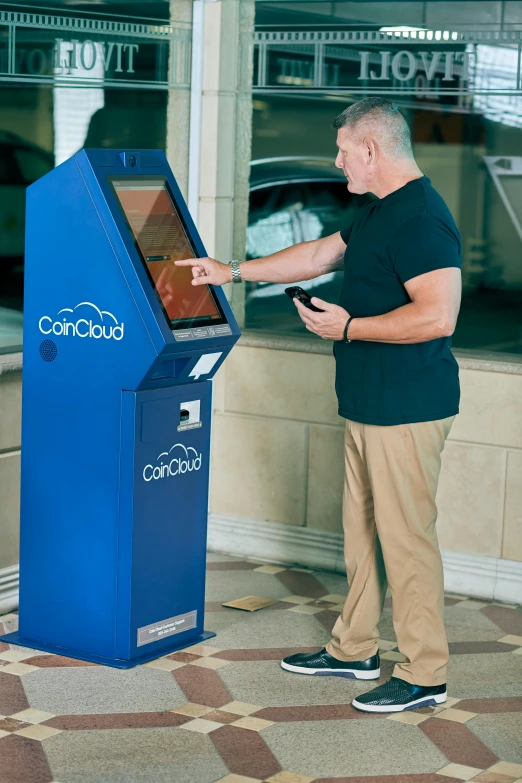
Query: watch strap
(345, 333)
(236, 272)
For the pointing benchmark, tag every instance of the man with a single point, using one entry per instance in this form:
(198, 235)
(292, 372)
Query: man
(398, 389)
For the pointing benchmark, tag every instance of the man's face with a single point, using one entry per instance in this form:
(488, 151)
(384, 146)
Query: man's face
(352, 158)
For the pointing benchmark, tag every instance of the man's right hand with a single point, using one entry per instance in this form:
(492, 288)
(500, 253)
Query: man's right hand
(207, 271)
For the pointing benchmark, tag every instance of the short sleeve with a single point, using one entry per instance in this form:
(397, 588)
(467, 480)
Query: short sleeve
(345, 234)
(423, 244)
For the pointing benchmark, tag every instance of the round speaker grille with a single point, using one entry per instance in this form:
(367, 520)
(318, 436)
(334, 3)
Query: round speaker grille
(48, 350)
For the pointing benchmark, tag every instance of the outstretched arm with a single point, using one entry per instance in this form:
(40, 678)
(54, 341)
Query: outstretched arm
(299, 262)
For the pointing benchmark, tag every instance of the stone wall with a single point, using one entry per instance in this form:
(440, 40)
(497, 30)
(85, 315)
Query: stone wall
(278, 460)
(10, 410)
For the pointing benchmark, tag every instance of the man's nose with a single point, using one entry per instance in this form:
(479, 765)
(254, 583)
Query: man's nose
(338, 161)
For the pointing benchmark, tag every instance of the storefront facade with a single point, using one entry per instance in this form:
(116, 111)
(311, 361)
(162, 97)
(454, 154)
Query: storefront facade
(214, 92)
(455, 70)
(108, 79)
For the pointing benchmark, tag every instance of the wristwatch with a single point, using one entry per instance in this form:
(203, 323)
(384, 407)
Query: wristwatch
(236, 273)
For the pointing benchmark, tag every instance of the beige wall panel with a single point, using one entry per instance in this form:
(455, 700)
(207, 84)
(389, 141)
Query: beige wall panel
(218, 390)
(178, 120)
(208, 181)
(470, 499)
(211, 44)
(218, 114)
(10, 407)
(9, 509)
(178, 109)
(489, 409)
(325, 478)
(281, 384)
(221, 41)
(215, 227)
(258, 469)
(512, 544)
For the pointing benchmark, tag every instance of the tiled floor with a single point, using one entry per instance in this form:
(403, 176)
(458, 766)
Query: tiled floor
(225, 711)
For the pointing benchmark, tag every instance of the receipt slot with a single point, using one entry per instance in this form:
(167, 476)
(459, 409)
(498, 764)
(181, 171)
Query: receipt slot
(119, 351)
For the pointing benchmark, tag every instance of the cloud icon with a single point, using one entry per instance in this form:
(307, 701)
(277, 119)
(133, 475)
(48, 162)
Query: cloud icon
(101, 313)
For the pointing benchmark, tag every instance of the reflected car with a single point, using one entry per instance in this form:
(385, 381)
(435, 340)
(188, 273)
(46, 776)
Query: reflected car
(21, 164)
(292, 200)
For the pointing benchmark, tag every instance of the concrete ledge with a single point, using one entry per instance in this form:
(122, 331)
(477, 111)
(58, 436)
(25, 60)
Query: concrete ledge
(485, 361)
(494, 579)
(10, 362)
(9, 578)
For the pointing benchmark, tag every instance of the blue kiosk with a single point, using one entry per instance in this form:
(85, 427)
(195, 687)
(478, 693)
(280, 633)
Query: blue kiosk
(119, 350)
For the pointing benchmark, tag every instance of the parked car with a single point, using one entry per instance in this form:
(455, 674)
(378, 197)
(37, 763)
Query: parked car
(21, 163)
(293, 199)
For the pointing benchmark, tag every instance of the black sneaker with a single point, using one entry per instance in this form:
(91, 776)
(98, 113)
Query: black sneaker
(324, 664)
(398, 695)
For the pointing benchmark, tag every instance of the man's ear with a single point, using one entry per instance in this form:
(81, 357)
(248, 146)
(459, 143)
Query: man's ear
(369, 150)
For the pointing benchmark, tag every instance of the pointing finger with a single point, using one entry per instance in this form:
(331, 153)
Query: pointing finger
(189, 262)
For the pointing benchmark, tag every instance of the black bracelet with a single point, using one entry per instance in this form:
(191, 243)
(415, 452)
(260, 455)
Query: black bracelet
(345, 333)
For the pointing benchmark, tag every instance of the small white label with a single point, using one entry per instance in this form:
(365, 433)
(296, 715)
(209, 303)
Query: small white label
(205, 364)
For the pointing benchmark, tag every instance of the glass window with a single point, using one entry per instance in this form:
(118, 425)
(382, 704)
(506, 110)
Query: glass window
(31, 164)
(5, 164)
(456, 74)
(45, 126)
(97, 83)
(283, 215)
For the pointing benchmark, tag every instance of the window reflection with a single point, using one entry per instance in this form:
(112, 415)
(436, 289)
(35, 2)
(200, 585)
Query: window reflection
(496, 68)
(285, 214)
(454, 143)
(40, 127)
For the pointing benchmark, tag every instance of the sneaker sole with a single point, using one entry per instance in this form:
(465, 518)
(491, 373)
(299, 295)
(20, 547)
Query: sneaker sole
(426, 701)
(354, 674)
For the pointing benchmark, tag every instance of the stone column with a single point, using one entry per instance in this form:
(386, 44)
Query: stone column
(178, 104)
(226, 133)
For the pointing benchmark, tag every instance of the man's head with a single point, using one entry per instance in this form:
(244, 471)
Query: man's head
(374, 142)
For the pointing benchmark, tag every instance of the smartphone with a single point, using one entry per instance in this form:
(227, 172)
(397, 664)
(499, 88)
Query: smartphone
(296, 292)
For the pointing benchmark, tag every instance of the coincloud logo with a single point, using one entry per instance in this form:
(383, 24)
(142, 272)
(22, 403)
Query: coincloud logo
(84, 320)
(173, 463)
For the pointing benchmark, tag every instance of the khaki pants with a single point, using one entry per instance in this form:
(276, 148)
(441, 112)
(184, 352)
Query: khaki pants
(389, 516)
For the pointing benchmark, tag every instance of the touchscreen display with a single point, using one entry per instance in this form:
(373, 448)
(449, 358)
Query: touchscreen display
(161, 239)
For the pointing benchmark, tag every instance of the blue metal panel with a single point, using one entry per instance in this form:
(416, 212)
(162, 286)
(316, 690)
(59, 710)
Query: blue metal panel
(105, 551)
(71, 417)
(163, 520)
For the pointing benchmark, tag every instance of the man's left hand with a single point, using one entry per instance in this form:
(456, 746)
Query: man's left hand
(329, 324)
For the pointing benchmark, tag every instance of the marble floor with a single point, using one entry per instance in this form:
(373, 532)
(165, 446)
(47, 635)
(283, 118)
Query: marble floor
(225, 711)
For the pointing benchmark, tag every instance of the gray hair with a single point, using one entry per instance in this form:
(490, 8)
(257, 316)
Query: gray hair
(384, 119)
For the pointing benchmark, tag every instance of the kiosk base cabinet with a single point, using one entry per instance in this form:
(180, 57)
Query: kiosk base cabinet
(161, 541)
(162, 537)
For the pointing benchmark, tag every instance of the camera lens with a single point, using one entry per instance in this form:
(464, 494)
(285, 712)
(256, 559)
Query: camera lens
(132, 160)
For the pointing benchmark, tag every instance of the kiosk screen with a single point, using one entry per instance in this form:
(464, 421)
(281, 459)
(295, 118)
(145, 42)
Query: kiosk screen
(161, 239)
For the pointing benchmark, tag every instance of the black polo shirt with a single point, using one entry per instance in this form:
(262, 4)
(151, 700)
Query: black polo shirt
(392, 240)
